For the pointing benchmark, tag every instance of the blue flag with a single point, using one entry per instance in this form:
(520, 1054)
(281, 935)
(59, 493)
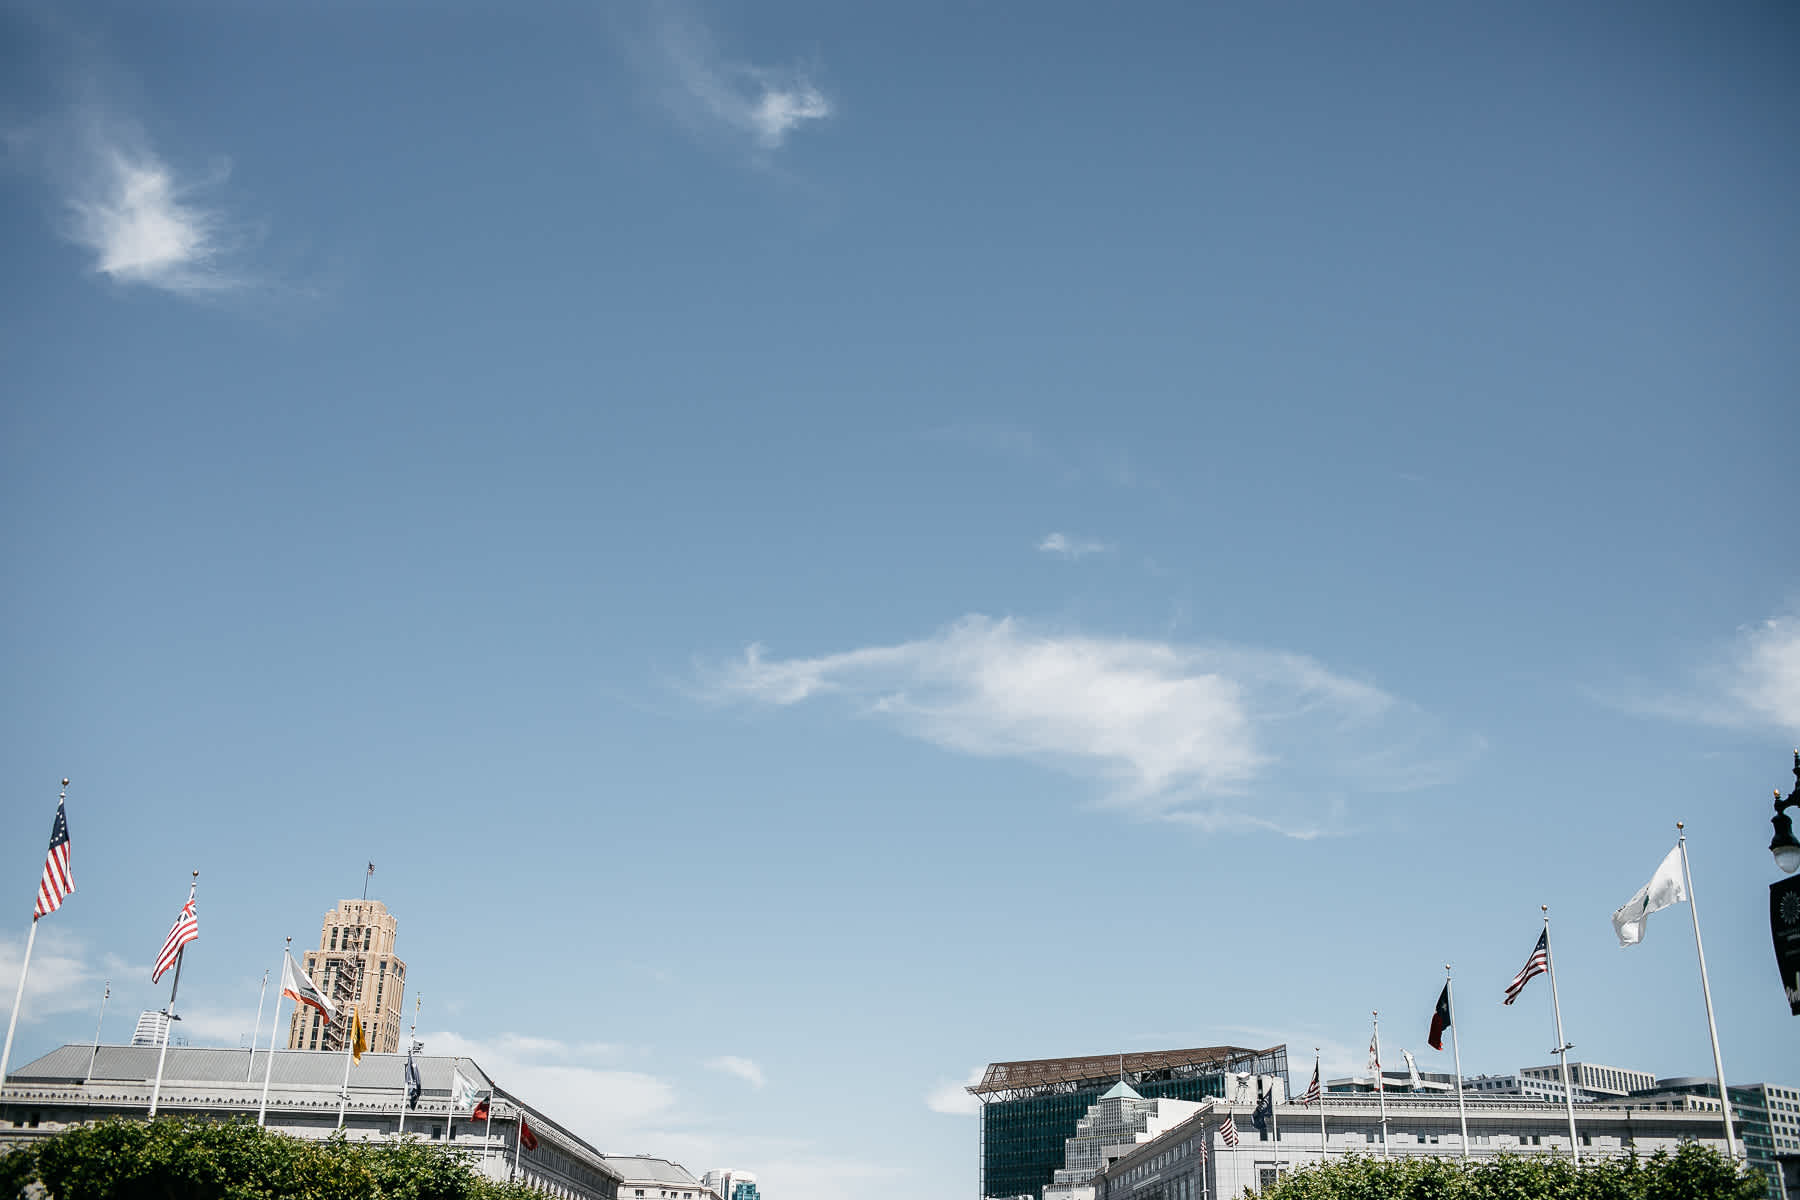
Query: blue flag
(1265, 1108)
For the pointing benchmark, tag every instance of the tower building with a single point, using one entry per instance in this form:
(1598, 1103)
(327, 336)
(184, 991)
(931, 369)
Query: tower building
(356, 967)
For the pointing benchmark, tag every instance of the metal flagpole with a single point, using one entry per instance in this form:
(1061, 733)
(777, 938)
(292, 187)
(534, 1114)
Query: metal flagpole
(1324, 1146)
(25, 966)
(262, 1109)
(349, 1045)
(1380, 1083)
(169, 1012)
(1706, 990)
(518, 1138)
(18, 999)
(88, 1078)
(1562, 1047)
(355, 1017)
(487, 1133)
(256, 1033)
(1456, 1056)
(405, 1082)
(1275, 1127)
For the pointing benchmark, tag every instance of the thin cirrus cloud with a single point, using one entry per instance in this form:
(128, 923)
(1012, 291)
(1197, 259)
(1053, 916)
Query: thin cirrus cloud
(1750, 681)
(743, 1068)
(1066, 546)
(144, 221)
(951, 1096)
(710, 91)
(1218, 737)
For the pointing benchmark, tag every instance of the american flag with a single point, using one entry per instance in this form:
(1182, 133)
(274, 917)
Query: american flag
(1537, 964)
(1228, 1131)
(1312, 1091)
(57, 882)
(185, 930)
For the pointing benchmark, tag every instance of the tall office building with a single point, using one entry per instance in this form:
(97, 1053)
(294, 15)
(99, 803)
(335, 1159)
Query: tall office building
(151, 1026)
(355, 966)
(1030, 1109)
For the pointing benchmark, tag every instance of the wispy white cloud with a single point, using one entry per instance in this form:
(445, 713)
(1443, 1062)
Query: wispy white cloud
(743, 1068)
(625, 1111)
(144, 221)
(1760, 675)
(1066, 546)
(951, 1096)
(1751, 681)
(706, 88)
(63, 976)
(578, 1084)
(1178, 731)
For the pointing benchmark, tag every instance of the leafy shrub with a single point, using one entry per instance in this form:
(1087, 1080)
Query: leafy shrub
(1693, 1172)
(189, 1159)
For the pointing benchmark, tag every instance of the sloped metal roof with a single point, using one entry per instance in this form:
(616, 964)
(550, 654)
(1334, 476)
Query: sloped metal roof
(641, 1168)
(198, 1064)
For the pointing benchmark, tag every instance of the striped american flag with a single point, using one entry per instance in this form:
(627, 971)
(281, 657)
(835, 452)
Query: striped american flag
(185, 930)
(1537, 964)
(1228, 1131)
(1312, 1091)
(57, 882)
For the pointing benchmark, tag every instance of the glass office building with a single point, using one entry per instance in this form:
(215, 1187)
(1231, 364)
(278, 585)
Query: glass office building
(1030, 1109)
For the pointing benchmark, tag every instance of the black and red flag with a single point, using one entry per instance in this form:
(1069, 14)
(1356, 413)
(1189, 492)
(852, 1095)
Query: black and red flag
(527, 1139)
(1440, 1019)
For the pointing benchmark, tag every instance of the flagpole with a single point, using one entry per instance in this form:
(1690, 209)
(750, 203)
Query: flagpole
(349, 1045)
(1380, 1083)
(1324, 1146)
(1706, 990)
(1562, 1047)
(89, 1077)
(169, 1012)
(1456, 1056)
(405, 1080)
(25, 966)
(256, 1033)
(518, 1138)
(18, 999)
(262, 1109)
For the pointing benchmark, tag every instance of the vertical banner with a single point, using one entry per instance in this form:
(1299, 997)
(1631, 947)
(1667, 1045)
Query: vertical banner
(1784, 924)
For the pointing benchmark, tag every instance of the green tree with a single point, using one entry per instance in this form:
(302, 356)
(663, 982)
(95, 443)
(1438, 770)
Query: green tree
(1693, 1172)
(189, 1159)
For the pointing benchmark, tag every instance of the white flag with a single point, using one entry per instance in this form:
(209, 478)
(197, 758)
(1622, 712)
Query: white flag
(463, 1091)
(1375, 1060)
(1412, 1069)
(1663, 890)
(295, 983)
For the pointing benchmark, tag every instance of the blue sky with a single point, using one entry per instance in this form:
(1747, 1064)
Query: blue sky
(818, 546)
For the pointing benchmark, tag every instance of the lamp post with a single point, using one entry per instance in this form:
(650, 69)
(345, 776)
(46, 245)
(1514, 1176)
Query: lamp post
(1783, 846)
(1784, 895)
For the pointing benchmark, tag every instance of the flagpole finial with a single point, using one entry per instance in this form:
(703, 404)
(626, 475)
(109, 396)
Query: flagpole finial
(1679, 825)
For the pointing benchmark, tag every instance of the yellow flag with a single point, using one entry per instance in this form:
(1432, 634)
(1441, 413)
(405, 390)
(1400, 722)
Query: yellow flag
(358, 1043)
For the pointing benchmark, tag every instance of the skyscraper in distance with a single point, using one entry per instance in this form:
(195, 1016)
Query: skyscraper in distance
(355, 966)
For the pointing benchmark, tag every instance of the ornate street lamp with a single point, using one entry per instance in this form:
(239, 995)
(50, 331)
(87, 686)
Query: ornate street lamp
(1783, 846)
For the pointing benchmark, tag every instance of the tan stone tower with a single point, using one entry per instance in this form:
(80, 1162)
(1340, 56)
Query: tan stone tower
(355, 966)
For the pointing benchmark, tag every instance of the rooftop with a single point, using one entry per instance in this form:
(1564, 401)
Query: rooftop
(1098, 1068)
